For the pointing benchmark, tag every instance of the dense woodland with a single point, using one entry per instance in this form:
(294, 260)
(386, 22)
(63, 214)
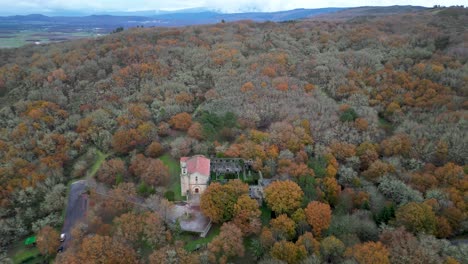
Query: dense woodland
(362, 122)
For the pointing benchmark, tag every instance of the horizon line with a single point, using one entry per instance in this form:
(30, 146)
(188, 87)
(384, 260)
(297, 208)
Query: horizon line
(78, 13)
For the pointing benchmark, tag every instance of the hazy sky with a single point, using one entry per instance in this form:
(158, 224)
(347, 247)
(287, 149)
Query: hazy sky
(96, 6)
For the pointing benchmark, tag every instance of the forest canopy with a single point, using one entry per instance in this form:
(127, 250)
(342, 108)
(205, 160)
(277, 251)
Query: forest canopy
(361, 125)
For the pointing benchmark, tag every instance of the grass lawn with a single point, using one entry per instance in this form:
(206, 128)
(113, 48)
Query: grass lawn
(266, 214)
(20, 38)
(24, 254)
(174, 174)
(192, 242)
(99, 160)
(248, 256)
(386, 125)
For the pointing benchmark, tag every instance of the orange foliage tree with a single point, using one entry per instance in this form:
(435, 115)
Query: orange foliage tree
(443, 228)
(154, 149)
(451, 174)
(367, 153)
(175, 253)
(331, 190)
(163, 129)
(134, 74)
(343, 150)
(124, 141)
(196, 131)
(377, 169)
(181, 121)
(283, 227)
(110, 169)
(311, 244)
(318, 216)
(269, 71)
(282, 86)
(47, 240)
(104, 249)
(184, 98)
(146, 228)
(266, 238)
(399, 144)
(229, 243)
(117, 201)
(151, 171)
(288, 252)
(309, 87)
(361, 124)
(248, 86)
(218, 201)
(369, 253)
(283, 196)
(247, 215)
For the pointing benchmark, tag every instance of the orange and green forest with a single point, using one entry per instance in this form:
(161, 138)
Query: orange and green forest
(360, 124)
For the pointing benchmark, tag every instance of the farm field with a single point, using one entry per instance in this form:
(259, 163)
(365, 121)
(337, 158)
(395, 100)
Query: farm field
(9, 39)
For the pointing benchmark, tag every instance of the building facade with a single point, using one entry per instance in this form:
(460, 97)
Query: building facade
(194, 175)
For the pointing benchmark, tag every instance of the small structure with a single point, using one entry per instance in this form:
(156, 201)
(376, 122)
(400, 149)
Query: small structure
(191, 219)
(229, 166)
(194, 176)
(30, 241)
(257, 191)
(194, 179)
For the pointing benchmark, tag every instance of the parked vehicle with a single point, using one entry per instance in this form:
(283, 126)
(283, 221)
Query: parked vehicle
(60, 249)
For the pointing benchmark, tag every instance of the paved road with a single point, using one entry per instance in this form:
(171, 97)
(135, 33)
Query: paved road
(76, 208)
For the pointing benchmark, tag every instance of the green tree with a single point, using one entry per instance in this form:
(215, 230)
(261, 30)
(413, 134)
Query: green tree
(417, 217)
(332, 249)
(348, 115)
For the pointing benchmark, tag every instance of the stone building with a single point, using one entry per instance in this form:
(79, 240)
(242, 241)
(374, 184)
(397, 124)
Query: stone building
(194, 175)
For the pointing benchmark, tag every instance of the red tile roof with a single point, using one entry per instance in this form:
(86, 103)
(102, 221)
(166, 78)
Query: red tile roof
(198, 164)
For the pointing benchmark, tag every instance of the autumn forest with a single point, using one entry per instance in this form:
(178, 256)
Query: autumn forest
(360, 124)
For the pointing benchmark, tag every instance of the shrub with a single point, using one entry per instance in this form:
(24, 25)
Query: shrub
(349, 115)
(398, 191)
(169, 195)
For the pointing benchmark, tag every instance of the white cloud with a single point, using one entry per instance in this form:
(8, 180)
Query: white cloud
(35, 6)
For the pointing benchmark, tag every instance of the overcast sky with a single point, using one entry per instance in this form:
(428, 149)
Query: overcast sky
(96, 6)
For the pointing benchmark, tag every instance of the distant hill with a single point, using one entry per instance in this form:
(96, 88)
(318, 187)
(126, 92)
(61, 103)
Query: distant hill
(16, 31)
(154, 18)
(368, 11)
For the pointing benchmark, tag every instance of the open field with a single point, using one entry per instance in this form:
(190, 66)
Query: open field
(100, 159)
(174, 175)
(24, 254)
(25, 37)
(17, 31)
